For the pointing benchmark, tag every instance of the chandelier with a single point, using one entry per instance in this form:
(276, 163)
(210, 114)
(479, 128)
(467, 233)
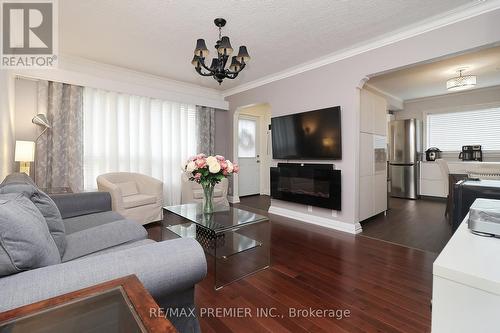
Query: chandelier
(461, 82)
(218, 68)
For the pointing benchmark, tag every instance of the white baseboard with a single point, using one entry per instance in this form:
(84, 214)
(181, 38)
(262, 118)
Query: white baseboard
(233, 199)
(321, 221)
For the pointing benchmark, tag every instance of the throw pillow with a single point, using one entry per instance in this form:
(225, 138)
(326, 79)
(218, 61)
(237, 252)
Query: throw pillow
(25, 242)
(128, 188)
(46, 206)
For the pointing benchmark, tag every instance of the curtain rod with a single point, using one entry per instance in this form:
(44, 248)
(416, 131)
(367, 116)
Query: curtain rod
(31, 78)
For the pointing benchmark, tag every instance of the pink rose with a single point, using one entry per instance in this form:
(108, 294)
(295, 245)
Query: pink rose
(201, 163)
(225, 173)
(220, 158)
(197, 176)
(200, 156)
(236, 168)
(223, 164)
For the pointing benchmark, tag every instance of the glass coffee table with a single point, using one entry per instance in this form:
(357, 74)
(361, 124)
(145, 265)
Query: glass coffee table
(238, 240)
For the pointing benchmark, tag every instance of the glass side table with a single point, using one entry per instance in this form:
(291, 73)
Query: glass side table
(238, 240)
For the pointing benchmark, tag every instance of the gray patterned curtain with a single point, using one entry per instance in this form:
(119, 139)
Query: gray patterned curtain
(205, 126)
(59, 151)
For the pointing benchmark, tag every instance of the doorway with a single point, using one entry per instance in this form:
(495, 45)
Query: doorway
(249, 155)
(252, 150)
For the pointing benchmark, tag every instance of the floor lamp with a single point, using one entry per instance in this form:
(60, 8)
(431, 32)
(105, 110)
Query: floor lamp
(42, 121)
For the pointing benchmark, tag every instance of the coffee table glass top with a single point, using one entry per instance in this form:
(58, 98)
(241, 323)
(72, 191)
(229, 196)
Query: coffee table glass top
(223, 219)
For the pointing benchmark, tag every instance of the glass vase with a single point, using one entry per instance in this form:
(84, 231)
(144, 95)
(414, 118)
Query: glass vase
(208, 193)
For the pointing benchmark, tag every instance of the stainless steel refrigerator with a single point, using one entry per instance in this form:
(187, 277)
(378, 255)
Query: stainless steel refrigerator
(405, 150)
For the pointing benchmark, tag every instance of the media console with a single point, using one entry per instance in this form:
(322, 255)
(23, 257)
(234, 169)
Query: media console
(309, 184)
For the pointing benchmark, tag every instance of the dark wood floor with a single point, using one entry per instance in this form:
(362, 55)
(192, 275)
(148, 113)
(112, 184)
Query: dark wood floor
(414, 223)
(386, 287)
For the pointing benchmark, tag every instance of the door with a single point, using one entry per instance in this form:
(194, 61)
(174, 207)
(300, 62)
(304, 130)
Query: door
(404, 181)
(248, 155)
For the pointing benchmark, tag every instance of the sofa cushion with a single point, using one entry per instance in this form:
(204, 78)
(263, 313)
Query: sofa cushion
(198, 194)
(128, 188)
(24, 237)
(138, 200)
(43, 202)
(79, 223)
(102, 237)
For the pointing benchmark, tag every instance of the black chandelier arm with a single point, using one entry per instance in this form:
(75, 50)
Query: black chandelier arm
(236, 72)
(201, 61)
(228, 75)
(198, 69)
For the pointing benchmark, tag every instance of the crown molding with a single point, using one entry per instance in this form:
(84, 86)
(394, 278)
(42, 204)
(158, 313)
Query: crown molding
(459, 14)
(71, 61)
(385, 93)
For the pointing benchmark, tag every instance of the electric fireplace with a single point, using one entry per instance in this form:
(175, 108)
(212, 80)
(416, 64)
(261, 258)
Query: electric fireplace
(309, 184)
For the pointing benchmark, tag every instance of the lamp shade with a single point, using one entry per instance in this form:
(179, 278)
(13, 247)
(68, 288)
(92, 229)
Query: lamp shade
(225, 46)
(201, 49)
(215, 63)
(41, 120)
(235, 65)
(195, 61)
(25, 151)
(243, 54)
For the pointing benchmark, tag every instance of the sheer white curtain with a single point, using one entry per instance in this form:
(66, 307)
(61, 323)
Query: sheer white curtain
(137, 134)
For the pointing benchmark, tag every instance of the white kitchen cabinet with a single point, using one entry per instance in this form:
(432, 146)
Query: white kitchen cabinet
(372, 155)
(432, 183)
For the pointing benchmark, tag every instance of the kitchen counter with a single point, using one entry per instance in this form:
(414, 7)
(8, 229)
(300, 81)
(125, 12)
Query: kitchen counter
(466, 284)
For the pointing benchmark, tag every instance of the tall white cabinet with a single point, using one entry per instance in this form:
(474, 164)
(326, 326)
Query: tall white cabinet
(372, 155)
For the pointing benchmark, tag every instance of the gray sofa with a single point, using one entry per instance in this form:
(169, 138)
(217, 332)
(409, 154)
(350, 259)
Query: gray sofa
(95, 245)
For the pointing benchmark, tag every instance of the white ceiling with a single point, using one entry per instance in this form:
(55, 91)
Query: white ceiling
(430, 79)
(158, 36)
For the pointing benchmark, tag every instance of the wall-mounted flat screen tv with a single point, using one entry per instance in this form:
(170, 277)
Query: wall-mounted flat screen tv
(313, 135)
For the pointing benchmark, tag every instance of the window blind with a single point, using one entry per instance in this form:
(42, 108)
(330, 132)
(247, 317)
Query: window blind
(451, 131)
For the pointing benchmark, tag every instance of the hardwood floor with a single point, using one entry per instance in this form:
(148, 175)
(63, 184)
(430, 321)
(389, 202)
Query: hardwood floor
(386, 287)
(414, 223)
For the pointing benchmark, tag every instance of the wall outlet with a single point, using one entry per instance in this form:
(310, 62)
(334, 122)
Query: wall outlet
(310, 209)
(334, 213)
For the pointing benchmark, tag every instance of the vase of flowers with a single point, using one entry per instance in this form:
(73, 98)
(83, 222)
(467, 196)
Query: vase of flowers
(208, 171)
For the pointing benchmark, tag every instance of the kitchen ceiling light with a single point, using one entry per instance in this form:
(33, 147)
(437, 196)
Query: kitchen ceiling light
(461, 82)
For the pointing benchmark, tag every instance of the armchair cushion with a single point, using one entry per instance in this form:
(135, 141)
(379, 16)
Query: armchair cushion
(128, 188)
(198, 194)
(137, 200)
(25, 241)
(102, 237)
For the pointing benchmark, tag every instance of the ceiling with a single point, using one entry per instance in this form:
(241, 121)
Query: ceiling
(158, 36)
(430, 79)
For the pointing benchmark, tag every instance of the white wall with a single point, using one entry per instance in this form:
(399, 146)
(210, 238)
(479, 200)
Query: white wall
(26, 107)
(7, 142)
(338, 84)
(97, 75)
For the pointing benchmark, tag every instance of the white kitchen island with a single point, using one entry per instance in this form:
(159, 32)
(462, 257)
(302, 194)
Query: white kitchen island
(466, 284)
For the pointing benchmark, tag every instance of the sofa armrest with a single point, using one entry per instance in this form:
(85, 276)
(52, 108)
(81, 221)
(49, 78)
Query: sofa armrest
(105, 185)
(164, 268)
(77, 204)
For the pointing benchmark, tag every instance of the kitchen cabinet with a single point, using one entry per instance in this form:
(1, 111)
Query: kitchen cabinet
(372, 155)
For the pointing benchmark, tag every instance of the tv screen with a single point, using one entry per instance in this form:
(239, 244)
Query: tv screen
(309, 135)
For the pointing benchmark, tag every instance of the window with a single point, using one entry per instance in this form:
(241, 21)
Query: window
(137, 134)
(451, 131)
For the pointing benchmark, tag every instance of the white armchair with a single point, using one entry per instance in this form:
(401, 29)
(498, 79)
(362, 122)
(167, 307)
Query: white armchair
(193, 192)
(135, 196)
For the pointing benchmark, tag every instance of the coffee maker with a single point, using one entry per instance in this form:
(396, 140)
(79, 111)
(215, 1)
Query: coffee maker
(471, 153)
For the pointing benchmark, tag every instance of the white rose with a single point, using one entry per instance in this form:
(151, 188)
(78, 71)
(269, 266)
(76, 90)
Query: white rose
(229, 166)
(190, 167)
(214, 167)
(211, 160)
